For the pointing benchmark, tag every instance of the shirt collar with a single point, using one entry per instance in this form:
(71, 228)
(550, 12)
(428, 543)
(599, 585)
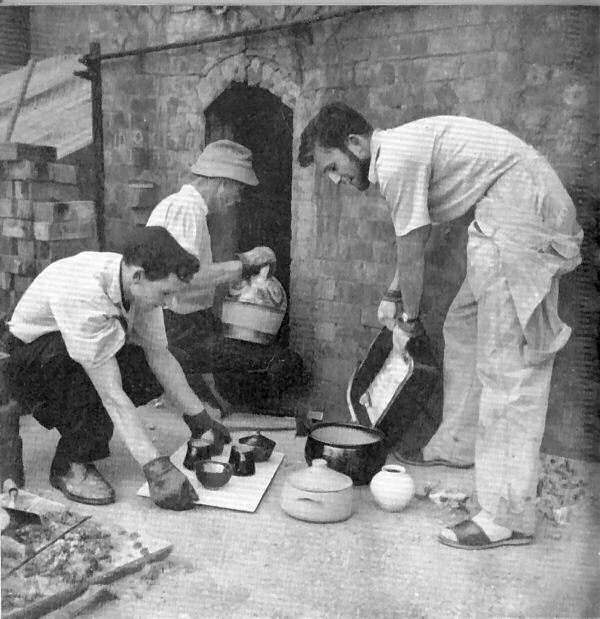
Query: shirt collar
(375, 146)
(113, 273)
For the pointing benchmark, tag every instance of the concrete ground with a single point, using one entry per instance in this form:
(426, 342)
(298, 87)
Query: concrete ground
(377, 564)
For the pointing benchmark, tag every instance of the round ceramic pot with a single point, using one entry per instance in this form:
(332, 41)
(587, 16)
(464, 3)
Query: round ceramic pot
(392, 488)
(262, 446)
(351, 449)
(318, 494)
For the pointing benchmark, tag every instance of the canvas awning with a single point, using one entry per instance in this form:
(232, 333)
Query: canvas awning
(57, 110)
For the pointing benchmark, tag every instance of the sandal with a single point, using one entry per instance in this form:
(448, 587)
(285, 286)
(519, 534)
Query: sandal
(471, 536)
(417, 460)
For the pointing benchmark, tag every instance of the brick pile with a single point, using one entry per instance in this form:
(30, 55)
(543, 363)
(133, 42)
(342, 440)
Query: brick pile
(41, 218)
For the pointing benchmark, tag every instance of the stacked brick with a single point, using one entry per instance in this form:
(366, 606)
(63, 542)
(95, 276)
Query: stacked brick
(41, 218)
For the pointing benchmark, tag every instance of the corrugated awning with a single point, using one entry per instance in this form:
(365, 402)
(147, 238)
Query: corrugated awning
(57, 110)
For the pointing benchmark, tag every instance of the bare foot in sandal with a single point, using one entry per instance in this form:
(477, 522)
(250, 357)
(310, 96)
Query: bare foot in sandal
(481, 532)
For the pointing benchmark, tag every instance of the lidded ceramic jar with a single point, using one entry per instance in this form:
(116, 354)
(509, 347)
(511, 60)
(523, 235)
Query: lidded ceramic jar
(318, 494)
(392, 488)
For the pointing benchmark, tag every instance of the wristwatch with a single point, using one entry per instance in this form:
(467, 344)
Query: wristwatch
(404, 317)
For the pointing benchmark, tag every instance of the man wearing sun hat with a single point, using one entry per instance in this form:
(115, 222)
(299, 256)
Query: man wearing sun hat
(219, 175)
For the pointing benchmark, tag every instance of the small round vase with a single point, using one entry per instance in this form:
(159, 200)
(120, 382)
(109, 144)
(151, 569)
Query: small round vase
(392, 488)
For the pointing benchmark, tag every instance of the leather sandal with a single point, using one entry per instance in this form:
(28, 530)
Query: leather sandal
(417, 460)
(83, 483)
(471, 536)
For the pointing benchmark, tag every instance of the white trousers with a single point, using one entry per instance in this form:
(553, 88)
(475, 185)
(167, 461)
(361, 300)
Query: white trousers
(495, 403)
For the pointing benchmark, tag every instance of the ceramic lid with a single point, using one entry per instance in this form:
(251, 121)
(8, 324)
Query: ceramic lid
(319, 478)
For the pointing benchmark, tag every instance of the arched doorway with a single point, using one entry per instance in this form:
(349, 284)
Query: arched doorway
(259, 120)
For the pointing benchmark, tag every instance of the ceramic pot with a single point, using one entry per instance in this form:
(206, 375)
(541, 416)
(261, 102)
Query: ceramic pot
(351, 449)
(241, 459)
(318, 494)
(392, 488)
(212, 474)
(262, 446)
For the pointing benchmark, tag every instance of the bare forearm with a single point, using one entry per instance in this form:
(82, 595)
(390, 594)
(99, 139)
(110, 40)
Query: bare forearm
(107, 382)
(216, 274)
(410, 269)
(170, 375)
(131, 429)
(409, 281)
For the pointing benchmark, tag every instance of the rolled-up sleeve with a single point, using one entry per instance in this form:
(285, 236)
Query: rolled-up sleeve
(90, 328)
(403, 173)
(148, 329)
(405, 189)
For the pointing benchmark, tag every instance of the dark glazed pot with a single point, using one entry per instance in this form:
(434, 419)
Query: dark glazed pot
(262, 446)
(356, 451)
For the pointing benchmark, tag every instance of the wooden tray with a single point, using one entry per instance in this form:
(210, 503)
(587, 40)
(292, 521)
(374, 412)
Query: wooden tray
(126, 558)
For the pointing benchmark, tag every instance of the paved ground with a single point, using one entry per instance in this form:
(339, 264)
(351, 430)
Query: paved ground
(377, 564)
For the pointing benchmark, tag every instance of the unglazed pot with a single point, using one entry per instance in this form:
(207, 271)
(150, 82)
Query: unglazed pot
(318, 494)
(392, 488)
(355, 450)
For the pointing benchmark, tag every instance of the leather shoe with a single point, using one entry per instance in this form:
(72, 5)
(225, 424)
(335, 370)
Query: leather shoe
(83, 483)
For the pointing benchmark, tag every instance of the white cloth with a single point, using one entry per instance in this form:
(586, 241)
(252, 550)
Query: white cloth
(184, 214)
(435, 169)
(80, 296)
(501, 336)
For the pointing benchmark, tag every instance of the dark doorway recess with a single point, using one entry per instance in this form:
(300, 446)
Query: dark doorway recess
(259, 120)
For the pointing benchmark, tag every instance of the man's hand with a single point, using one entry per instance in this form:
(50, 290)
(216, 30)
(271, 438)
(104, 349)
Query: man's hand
(386, 313)
(202, 423)
(169, 487)
(255, 259)
(410, 337)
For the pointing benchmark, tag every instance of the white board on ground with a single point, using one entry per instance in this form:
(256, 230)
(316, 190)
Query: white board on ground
(240, 493)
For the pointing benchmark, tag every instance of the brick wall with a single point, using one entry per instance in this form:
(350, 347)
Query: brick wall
(532, 70)
(41, 217)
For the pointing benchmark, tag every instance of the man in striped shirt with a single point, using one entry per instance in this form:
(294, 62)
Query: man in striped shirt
(502, 330)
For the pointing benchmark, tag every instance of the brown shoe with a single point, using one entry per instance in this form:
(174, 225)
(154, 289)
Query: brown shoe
(83, 483)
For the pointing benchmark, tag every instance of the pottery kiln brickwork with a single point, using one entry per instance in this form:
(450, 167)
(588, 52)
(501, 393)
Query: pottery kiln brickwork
(533, 70)
(41, 218)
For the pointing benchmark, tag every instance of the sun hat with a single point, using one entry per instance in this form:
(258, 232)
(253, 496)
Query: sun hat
(226, 159)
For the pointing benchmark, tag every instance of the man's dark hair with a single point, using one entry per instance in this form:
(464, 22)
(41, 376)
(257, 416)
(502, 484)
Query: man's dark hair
(155, 250)
(330, 128)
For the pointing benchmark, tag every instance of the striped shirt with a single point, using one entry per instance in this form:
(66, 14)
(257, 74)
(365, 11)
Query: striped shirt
(433, 170)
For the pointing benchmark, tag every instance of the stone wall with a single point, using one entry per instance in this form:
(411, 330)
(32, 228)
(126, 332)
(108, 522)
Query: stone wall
(532, 70)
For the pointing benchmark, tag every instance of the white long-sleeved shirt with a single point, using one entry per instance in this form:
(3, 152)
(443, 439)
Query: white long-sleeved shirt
(81, 297)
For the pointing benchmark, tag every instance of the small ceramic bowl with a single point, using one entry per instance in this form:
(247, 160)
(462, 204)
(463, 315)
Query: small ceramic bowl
(197, 449)
(212, 474)
(261, 445)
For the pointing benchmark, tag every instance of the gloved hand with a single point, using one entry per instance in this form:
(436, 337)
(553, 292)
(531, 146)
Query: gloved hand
(254, 259)
(202, 423)
(169, 487)
(410, 337)
(386, 313)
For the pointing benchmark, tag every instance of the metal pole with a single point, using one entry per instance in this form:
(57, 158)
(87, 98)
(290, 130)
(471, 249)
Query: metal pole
(94, 62)
(242, 33)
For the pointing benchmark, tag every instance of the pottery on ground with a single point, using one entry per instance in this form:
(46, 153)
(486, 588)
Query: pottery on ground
(392, 488)
(318, 494)
(351, 449)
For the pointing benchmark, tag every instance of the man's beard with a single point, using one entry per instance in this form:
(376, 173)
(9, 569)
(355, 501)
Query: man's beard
(362, 177)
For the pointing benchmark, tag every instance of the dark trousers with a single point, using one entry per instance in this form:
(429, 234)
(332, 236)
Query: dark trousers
(192, 339)
(44, 379)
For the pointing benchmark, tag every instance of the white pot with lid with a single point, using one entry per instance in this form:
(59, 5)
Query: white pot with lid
(318, 494)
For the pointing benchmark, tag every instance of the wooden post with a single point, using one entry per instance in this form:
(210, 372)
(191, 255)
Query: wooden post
(19, 102)
(11, 445)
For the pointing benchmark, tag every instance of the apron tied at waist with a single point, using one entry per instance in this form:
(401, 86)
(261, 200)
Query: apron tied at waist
(531, 259)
